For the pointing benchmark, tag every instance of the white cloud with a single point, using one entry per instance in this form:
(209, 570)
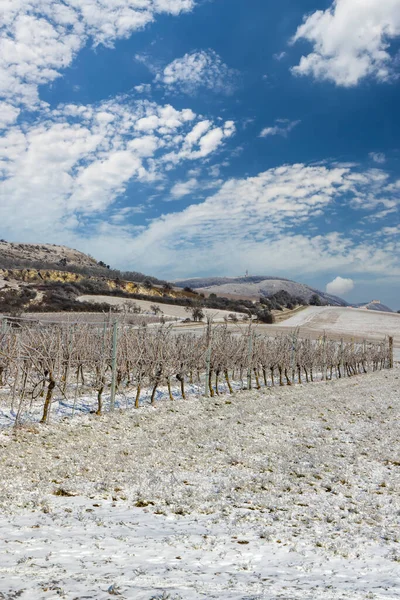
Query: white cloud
(283, 127)
(65, 171)
(351, 41)
(63, 174)
(119, 216)
(196, 133)
(296, 255)
(146, 60)
(379, 193)
(8, 114)
(201, 141)
(280, 55)
(378, 157)
(340, 286)
(144, 88)
(183, 188)
(39, 38)
(75, 161)
(196, 70)
(391, 230)
(210, 141)
(260, 221)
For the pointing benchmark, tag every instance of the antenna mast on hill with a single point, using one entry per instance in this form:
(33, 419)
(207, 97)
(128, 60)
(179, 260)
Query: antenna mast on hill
(247, 273)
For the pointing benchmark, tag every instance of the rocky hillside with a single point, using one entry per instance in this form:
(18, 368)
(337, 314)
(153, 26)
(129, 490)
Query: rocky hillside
(14, 255)
(50, 257)
(47, 277)
(257, 286)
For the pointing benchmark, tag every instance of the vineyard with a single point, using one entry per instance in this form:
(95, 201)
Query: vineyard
(64, 365)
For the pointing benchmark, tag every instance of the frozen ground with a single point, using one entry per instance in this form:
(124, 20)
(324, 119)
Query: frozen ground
(169, 310)
(64, 407)
(347, 322)
(350, 321)
(337, 323)
(287, 493)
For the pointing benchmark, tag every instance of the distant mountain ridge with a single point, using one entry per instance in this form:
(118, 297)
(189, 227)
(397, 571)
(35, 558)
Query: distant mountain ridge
(257, 286)
(52, 256)
(373, 305)
(209, 281)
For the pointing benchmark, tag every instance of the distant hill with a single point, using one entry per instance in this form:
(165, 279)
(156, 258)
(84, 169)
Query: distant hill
(38, 265)
(53, 257)
(254, 287)
(373, 305)
(14, 255)
(48, 277)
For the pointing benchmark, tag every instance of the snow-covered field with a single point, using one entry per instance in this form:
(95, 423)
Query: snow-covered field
(169, 310)
(339, 321)
(350, 321)
(284, 493)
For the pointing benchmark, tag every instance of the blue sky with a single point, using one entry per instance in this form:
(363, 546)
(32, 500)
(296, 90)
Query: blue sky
(207, 137)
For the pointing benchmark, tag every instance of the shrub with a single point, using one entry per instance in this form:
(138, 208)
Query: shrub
(315, 300)
(15, 302)
(265, 316)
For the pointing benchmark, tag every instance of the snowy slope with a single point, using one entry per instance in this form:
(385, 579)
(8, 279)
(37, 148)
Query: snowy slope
(290, 493)
(357, 322)
(256, 286)
(374, 305)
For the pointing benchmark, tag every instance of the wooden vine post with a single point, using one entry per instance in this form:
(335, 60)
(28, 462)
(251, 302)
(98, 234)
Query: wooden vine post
(391, 353)
(249, 358)
(114, 365)
(49, 395)
(207, 387)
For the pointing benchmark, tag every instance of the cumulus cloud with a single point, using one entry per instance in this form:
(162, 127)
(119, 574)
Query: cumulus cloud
(75, 161)
(8, 114)
(282, 127)
(340, 286)
(201, 69)
(201, 141)
(351, 40)
(40, 38)
(63, 172)
(60, 169)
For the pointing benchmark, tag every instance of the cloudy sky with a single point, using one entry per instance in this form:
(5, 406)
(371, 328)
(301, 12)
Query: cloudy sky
(207, 137)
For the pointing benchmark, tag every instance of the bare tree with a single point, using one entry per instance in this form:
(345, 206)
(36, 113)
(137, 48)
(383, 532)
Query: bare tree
(156, 310)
